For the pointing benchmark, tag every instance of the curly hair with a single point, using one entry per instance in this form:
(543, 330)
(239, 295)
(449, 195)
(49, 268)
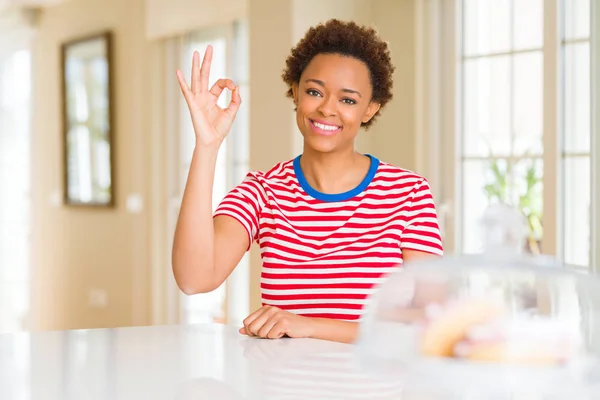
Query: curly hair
(347, 39)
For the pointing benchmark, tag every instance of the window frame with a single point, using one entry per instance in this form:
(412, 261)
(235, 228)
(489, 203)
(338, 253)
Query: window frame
(595, 136)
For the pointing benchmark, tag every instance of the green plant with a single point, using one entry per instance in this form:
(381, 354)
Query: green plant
(521, 189)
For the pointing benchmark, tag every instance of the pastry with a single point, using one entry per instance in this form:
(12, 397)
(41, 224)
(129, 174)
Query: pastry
(479, 330)
(451, 325)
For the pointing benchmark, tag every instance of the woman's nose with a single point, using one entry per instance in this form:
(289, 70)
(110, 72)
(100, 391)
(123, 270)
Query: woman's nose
(328, 106)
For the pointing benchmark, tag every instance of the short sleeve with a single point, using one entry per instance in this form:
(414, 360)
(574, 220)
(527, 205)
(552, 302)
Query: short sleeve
(421, 231)
(244, 203)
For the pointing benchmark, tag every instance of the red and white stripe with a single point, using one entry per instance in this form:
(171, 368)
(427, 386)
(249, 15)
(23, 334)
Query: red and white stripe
(324, 258)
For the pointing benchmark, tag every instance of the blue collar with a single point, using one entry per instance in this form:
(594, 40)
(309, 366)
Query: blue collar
(338, 196)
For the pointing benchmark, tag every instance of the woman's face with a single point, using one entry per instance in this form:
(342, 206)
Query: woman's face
(333, 99)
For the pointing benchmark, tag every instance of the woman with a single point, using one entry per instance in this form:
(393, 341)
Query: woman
(330, 223)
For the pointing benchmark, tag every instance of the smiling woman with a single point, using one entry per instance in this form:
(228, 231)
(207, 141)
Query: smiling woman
(331, 223)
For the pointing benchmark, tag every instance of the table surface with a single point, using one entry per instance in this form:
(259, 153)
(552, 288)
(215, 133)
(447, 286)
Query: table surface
(181, 362)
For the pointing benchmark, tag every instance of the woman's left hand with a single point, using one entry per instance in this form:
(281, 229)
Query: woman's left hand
(274, 323)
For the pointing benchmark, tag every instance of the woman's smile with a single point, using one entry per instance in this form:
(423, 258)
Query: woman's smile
(323, 128)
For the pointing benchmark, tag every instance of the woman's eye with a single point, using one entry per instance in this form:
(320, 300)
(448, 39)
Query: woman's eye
(312, 92)
(349, 101)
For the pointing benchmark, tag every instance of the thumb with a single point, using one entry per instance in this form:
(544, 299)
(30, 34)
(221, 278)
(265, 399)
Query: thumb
(242, 331)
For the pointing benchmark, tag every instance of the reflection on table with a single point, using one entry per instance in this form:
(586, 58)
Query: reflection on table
(180, 362)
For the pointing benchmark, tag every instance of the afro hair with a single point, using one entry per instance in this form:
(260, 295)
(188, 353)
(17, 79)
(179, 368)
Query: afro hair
(347, 39)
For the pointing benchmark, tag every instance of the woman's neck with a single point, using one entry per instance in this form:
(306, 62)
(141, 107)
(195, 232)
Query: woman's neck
(334, 173)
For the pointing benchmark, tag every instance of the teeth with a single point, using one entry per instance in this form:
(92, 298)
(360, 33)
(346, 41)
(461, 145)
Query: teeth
(325, 127)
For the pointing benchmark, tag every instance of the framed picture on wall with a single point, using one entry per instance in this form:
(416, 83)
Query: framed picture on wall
(87, 115)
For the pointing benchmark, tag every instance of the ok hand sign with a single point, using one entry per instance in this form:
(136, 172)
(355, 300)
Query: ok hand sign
(211, 122)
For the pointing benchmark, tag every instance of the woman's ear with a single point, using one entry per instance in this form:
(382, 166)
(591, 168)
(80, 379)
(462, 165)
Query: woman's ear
(295, 92)
(371, 110)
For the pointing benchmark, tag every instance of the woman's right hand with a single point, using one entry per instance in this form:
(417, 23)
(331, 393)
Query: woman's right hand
(211, 122)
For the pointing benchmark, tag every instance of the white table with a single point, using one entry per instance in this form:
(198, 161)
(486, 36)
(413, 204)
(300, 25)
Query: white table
(181, 362)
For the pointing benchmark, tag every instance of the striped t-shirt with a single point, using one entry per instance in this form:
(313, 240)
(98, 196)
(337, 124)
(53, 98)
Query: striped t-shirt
(324, 254)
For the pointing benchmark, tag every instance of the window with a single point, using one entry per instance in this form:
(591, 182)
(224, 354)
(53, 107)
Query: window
(523, 126)
(501, 146)
(15, 67)
(576, 129)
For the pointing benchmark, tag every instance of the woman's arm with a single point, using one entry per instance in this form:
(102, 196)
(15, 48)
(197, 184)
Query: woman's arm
(414, 255)
(274, 323)
(334, 330)
(205, 250)
(199, 264)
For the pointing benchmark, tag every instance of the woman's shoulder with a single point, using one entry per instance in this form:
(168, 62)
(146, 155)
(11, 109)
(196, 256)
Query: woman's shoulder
(390, 171)
(281, 171)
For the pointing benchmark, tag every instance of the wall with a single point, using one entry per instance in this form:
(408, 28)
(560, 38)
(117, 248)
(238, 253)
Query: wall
(394, 136)
(177, 17)
(79, 249)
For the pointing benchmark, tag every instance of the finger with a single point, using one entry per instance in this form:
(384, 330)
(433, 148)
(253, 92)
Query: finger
(196, 73)
(255, 326)
(205, 69)
(248, 320)
(246, 331)
(185, 89)
(251, 318)
(220, 85)
(234, 106)
(277, 331)
(263, 332)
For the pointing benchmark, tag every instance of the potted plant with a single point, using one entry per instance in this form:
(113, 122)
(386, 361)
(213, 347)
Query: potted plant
(523, 192)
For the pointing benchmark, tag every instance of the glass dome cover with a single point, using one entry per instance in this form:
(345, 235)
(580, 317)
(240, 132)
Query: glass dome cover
(493, 324)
